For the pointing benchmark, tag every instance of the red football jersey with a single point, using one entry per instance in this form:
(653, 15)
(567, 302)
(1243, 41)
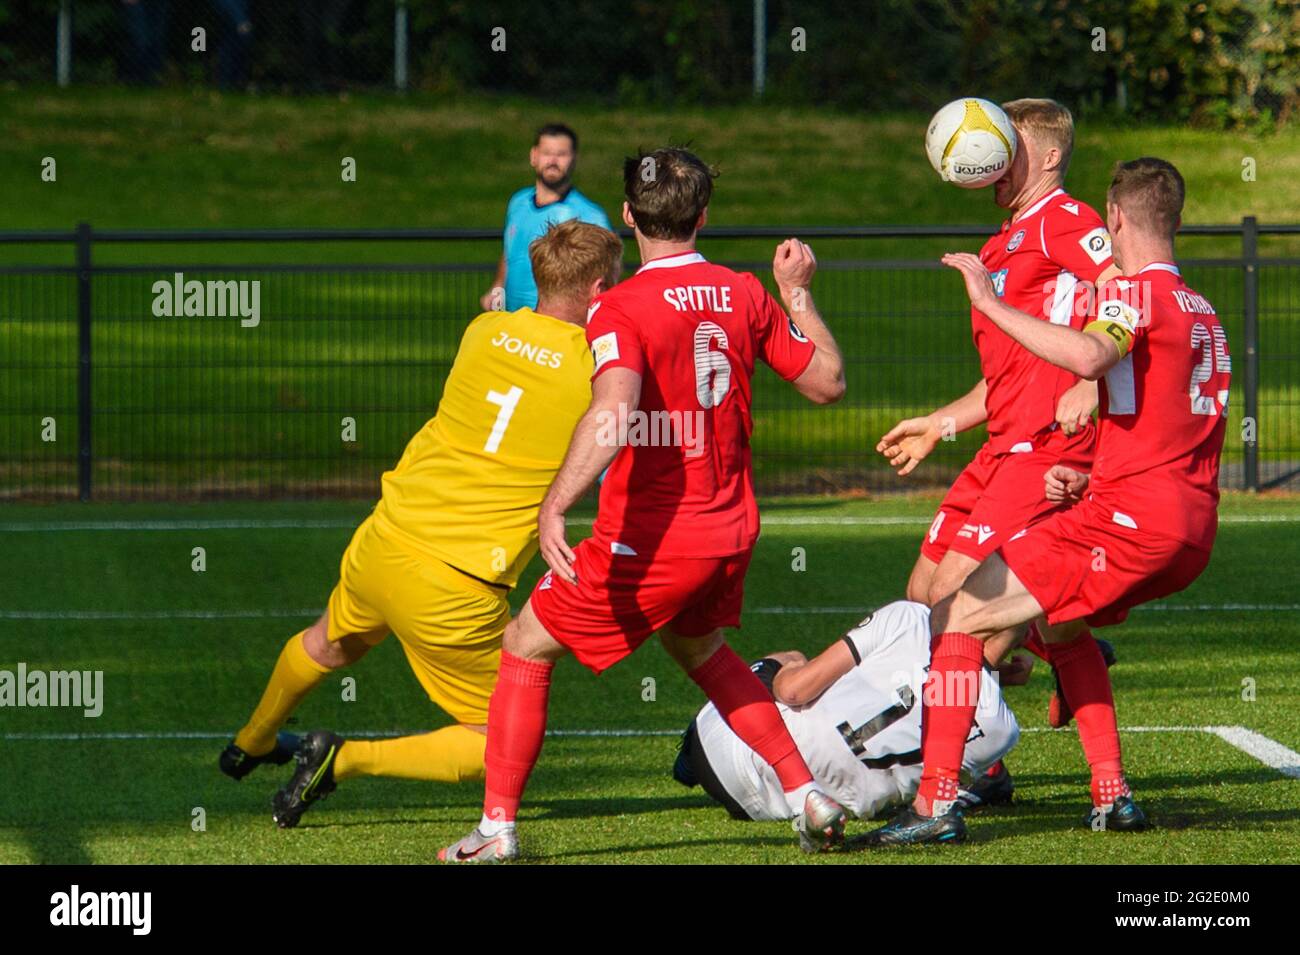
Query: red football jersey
(1164, 408)
(1040, 262)
(682, 484)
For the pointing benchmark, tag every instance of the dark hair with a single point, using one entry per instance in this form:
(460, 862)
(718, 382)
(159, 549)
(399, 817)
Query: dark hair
(667, 189)
(1151, 191)
(557, 129)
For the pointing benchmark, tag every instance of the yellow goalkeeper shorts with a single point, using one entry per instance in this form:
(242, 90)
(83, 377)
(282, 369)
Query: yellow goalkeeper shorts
(449, 624)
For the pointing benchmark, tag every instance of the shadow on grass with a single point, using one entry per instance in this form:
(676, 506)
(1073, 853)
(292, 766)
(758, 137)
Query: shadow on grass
(63, 845)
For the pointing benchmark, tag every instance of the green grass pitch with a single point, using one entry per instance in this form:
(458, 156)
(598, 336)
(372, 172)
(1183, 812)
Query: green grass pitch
(186, 654)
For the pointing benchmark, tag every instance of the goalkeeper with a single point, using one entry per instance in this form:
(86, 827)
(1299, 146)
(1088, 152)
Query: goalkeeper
(453, 529)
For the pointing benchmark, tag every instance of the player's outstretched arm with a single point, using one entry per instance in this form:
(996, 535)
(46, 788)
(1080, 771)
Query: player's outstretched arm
(595, 442)
(910, 441)
(798, 684)
(793, 267)
(1088, 354)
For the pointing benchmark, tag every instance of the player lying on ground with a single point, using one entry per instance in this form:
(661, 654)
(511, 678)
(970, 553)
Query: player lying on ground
(1047, 260)
(455, 526)
(675, 347)
(854, 712)
(1144, 521)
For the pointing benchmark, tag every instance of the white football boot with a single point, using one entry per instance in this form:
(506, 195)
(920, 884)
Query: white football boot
(476, 847)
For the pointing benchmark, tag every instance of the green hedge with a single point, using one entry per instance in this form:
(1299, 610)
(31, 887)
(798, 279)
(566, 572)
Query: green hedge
(1219, 63)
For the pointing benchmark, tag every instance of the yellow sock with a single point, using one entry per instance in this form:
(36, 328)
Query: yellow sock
(295, 675)
(450, 755)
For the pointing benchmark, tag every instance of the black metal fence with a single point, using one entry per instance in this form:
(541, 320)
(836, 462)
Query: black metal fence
(308, 379)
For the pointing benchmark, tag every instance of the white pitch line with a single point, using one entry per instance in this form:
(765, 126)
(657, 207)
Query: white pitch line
(776, 520)
(1268, 751)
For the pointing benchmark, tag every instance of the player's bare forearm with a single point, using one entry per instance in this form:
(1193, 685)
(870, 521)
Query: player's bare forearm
(591, 449)
(595, 440)
(910, 441)
(798, 684)
(965, 413)
(1086, 354)
(827, 366)
(799, 303)
(586, 458)
(1075, 407)
(793, 267)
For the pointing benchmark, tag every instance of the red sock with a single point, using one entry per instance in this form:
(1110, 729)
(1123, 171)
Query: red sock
(747, 707)
(948, 704)
(1034, 643)
(516, 728)
(1086, 685)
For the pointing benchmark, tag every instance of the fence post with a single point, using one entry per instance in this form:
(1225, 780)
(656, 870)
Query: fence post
(63, 44)
(1250, 331)
(760, 46)
(400, 46)
(84, 459)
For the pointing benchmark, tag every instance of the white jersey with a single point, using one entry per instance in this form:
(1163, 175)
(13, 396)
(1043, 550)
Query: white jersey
(862, 737)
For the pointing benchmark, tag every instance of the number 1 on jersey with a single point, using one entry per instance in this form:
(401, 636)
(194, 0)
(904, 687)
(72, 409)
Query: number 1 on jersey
(508, 402)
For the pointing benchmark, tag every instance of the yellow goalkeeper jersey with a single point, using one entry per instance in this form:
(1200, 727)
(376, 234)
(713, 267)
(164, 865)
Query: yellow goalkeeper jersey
(468, 487)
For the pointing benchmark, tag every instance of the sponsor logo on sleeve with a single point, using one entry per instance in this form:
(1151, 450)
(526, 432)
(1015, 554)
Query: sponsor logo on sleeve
(795, 332)
(1097, 244)
(604, 348)
(1121, 313)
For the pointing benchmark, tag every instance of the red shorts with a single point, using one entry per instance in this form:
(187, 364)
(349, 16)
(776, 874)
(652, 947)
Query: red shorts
(1081, 564)
(998, 495)
(620, 600)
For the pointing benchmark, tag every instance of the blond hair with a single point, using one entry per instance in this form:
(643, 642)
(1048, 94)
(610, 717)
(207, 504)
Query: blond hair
(571, 255)
(1047, 121)
(1151, 192)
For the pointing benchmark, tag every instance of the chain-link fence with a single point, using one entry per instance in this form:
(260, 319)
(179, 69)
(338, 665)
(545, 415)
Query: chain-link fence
(305, 380)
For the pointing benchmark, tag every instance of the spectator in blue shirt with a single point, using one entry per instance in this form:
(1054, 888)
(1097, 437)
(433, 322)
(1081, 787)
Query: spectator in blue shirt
(531, 210)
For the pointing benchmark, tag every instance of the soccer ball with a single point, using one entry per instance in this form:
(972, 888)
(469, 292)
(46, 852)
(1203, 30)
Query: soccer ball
(970, 142)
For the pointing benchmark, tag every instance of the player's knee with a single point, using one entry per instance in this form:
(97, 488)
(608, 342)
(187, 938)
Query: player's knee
(319, 647)
(918, 585)
(949, 577)
(511, 641)
(691, 652)
(526, 638)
